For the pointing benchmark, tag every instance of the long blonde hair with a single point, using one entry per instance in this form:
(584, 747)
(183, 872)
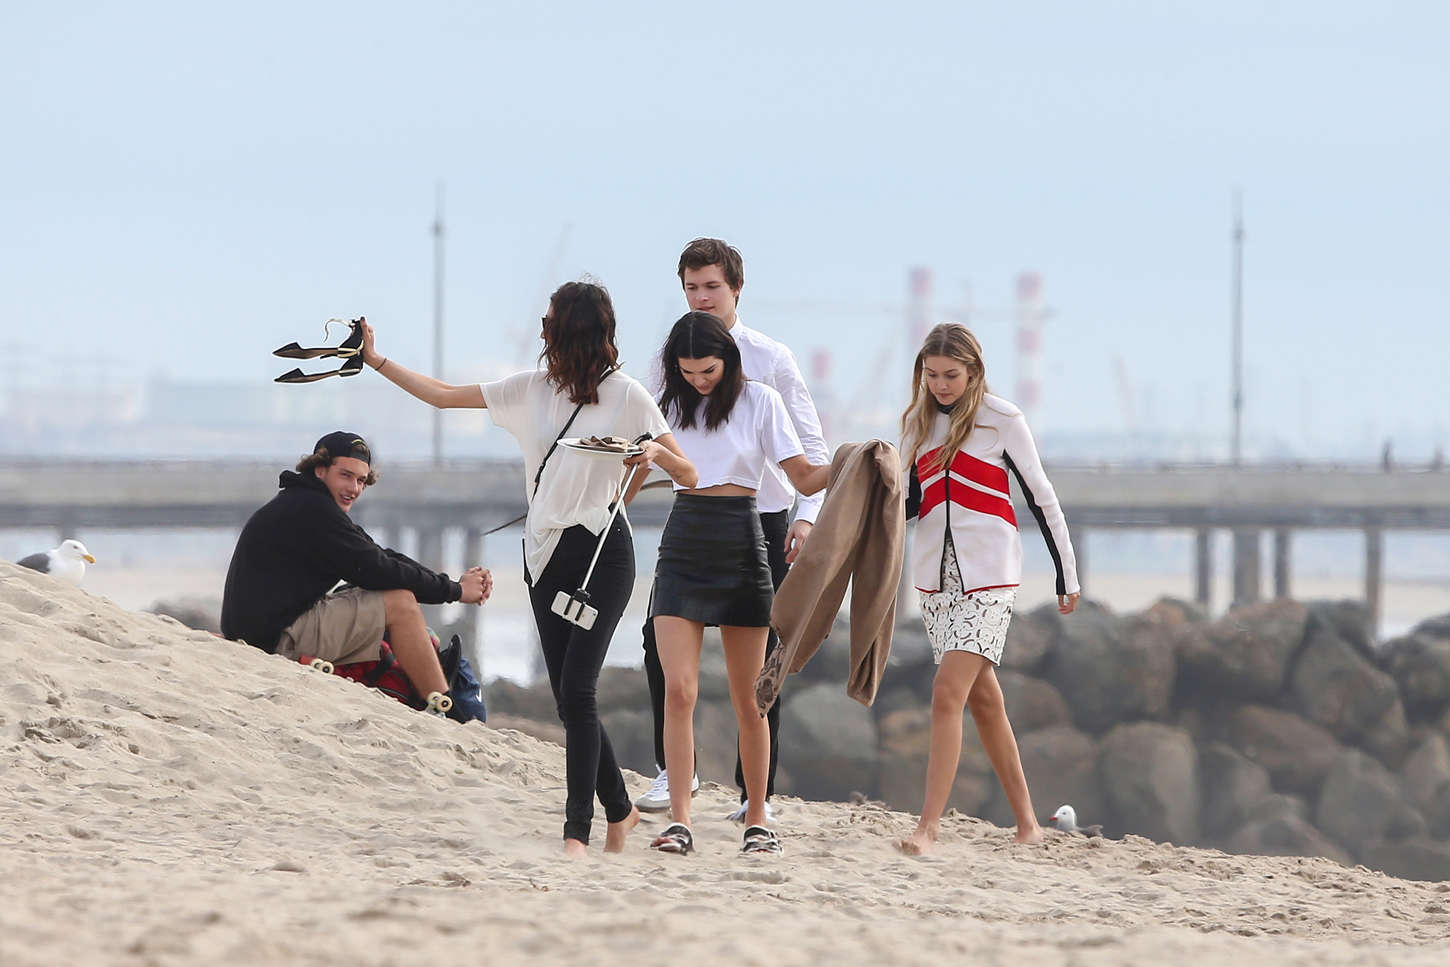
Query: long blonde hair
(954, 341)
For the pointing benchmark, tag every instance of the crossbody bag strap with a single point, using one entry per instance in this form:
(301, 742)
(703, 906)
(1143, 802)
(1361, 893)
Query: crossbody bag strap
(554, 446)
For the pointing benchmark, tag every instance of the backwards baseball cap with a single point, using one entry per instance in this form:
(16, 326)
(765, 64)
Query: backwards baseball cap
(340, 443)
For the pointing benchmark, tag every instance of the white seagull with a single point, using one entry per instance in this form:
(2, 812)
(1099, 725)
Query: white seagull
(67, 562)
(1065, 819)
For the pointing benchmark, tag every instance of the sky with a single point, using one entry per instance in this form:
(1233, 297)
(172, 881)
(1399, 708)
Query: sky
(185, 187)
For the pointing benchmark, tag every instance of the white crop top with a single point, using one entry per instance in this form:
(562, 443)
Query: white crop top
(758, 432)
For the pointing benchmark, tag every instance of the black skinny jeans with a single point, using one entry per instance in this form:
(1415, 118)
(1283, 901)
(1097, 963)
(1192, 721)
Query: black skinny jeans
(776, 525)
(574, 656)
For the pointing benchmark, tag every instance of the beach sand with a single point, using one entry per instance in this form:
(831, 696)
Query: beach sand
(171, 798)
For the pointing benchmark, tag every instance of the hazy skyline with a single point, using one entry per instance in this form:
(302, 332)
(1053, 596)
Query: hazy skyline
(187, 188)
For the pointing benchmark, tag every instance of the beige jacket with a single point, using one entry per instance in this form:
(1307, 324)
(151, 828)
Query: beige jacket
(860, 537)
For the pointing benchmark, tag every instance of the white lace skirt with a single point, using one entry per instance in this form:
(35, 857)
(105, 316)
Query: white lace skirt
(974, 621)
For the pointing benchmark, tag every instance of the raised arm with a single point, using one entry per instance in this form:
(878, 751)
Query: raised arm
(434, 392)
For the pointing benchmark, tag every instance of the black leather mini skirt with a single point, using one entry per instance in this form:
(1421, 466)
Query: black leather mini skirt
(712, 566)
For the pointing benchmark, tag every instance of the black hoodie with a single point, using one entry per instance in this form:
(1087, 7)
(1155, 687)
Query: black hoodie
(295, 549)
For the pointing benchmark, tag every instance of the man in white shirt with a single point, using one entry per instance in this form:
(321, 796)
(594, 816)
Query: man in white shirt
(712, 275)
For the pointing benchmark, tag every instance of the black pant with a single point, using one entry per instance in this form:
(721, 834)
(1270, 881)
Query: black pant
(574, 656)
(776, 525)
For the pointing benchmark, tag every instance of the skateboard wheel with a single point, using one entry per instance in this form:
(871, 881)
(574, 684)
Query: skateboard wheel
(320, 665)
(439, 704)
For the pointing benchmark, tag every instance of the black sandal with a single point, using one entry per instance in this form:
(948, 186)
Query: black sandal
(676, 838)
(352, 367)
(760, 839)
(351, 346)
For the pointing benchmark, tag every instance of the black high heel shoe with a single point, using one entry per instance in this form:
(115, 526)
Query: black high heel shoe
(352, 367)
(348, 348)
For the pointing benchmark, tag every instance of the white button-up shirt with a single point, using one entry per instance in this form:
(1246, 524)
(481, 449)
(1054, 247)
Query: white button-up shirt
(770, 362)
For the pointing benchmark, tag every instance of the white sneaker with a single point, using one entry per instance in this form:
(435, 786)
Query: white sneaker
(657, 799)
(738, 816)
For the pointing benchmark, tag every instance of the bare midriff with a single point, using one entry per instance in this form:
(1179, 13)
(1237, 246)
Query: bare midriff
(721, 490)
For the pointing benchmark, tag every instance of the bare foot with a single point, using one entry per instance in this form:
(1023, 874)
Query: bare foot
(618, 832)
(1029, 836)
(575, 849)
(919, 843)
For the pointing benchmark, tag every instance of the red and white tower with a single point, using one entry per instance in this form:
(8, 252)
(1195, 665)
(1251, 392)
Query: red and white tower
(1030, 314)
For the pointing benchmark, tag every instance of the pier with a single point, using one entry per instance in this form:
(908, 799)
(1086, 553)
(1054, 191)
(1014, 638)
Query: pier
(1252, 503)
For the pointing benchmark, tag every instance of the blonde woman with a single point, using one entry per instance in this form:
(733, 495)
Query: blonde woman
(961, 442)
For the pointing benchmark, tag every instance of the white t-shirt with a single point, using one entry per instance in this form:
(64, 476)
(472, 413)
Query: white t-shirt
(758, 433)
(576, 488)
(774, 364)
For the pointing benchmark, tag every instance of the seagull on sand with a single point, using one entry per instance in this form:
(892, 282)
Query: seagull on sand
(67, 562)
(1065, 819)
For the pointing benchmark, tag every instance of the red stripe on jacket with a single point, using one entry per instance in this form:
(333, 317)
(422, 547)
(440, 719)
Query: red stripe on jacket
(969, 497)
(967, 467)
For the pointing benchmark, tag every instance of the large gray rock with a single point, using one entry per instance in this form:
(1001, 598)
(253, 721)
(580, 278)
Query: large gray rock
(832, 661)
(1335, 686)
(1245, 654)
(534, 702)
(717, 744)
(1362, 803)
(1285, 835)
(1061, 767)
(829, 741)
(1297, 753)
(1389, 739)
(1032, 704)
(1277, 805)
(1231, 785)
(631, 734)
(1112, 670)
(1413, 859)
(905, 743)
(1030, 638)
(1149, 776)
(622, 688)
(1420, 664)
(1347, 620)
(1426, 778)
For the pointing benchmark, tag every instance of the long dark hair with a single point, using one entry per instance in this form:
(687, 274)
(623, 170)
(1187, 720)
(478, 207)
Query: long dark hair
(698, 335)
(579, 349)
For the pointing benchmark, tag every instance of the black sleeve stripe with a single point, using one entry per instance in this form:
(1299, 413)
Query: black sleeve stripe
(913, 494)
(1041, 524)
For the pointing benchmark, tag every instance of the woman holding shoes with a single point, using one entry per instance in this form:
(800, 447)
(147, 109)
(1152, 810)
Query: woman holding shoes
(580, 391)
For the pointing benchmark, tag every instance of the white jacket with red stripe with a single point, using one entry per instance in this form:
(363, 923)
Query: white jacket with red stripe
(972, 497)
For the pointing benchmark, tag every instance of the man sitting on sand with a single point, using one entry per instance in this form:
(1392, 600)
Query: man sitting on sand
(302, 542)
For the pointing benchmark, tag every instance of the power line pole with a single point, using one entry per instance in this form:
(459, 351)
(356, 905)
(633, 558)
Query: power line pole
(1238, 329)
(438, 320)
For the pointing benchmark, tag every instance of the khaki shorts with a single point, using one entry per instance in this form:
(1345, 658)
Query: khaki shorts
(343, 628)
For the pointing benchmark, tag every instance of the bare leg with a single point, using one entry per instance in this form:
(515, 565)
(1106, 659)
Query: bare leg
(744, 656)
(989, 711)
(954, 680)
(679, 643)
(408, 635)
(618, 832)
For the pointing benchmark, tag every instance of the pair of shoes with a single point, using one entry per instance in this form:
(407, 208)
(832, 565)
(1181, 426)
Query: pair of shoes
(349, 349)
(657, 799)
(738, 816)
(759, 839)
(676, 838)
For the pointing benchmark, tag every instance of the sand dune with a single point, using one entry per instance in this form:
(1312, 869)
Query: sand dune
(170, 798)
